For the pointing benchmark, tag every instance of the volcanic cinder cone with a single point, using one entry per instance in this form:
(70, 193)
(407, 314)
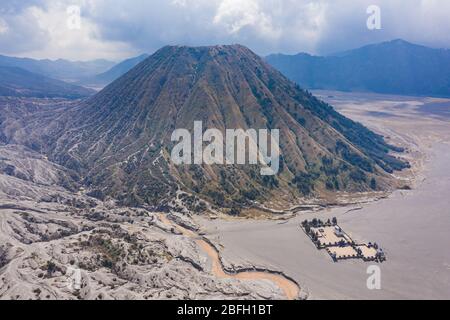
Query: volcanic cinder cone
(119, 141)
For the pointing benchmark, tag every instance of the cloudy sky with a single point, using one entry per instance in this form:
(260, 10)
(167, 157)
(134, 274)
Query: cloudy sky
(116, 29)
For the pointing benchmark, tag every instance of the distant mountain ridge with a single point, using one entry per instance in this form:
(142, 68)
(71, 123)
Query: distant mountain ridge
(94, 73)
(394, 67)
(17, 82)
(115, 72)
(59, 69)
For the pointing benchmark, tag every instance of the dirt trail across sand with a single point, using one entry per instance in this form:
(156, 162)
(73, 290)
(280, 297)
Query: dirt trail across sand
(290, 288)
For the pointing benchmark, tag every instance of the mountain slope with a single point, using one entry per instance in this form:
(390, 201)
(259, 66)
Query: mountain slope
(115, 72)
(119, 141)
(17, 82)
(58, 69)
(395, 67)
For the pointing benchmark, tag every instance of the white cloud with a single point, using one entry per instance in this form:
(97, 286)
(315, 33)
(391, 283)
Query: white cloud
(236, 14)
(3, 26)
(44, 32)
(72, 43)
(118, 28)
(21, 33)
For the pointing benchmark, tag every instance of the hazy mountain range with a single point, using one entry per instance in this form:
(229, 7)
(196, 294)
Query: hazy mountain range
(114, 73)
(59, 69)
(395, 67)
(59, 78)
(17, 82)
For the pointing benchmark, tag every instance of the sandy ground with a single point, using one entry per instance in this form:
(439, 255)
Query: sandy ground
(411, 226)
(290, 289)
